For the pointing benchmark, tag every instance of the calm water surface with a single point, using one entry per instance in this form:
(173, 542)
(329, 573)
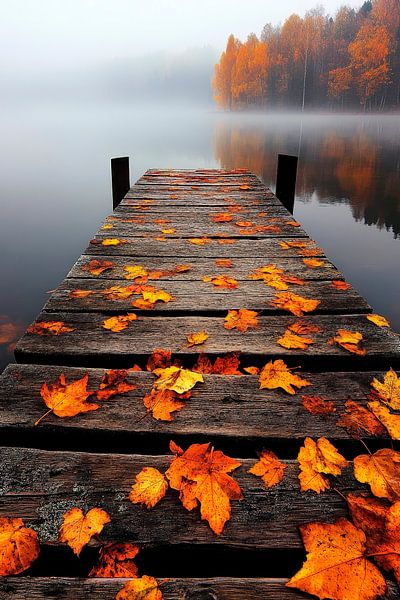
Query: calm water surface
(55, 188)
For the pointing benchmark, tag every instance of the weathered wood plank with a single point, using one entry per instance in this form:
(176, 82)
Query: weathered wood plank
(90, 342)
(200, 296)
(231, 407)
(267, 248)
(201, 267)
(221, 588)
(39, 486)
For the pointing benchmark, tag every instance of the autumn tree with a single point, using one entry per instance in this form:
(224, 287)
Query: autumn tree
(222, 82)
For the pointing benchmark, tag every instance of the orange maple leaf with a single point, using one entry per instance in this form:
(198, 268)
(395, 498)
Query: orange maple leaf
(269, 468)
(49, 328)
(119, 322)
(358, 419)
(136, 272)
(142, 588)
(162, 403)
(97, 267)
(116, 560)
(119, 292)
(77, 529)
(378, 320)
(336, 566)
(316, 460)
(19, 546)
(80, 293)
(340, 285)
(224, 262)
(388, 390)
(149, 488)
(292, 340)
(199, 241)
(381, 471)
(276, 374)
(222, 281)
(241, 319)
(201, 475)
(114, 383)
(313, 263)
(197, 338)
(227, 364)
(222, 218)
(349, 340)
(66, 399)
(318, 406)
(159, 358)
(294, 303)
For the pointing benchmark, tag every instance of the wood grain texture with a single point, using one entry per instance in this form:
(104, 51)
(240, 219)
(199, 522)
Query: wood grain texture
(200, 296)
(221, 588)
(232, 407)
(201, 267)
(90, 342)
(39, 486)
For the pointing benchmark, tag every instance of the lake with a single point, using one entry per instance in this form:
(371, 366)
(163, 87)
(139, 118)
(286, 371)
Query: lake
(55, 187)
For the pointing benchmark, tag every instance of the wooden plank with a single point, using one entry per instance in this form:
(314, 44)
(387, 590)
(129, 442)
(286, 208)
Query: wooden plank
(201, 267)
(267, 248)
(220, 588)
(254, 295)
(227, 407)
(91, 343)
(39, 486)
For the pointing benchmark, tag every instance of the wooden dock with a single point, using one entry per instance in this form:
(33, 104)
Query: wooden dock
(217, 224)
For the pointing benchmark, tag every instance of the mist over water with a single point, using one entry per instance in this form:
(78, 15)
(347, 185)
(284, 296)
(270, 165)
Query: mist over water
(56, 189)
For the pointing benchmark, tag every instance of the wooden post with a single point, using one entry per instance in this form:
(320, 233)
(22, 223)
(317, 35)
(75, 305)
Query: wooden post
(120, 179)
(286, 180)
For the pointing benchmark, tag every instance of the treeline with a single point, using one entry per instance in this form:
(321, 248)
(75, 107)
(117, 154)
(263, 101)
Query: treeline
(348, 61)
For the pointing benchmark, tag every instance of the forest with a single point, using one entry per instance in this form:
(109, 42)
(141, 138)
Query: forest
(346, 62)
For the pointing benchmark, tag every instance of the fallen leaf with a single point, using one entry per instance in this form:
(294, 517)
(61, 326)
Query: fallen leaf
(381, 471)
(199, 241)
(293, 223)
(113, 383)
(241, 319)
(19, 546)
(201, 475)
(97, 267)
(49, 328)
(222, 218)
(77, 529)
(116, 560)
(149, 488)
(388, 390)
(378, 320)
(252, 370)
(340, 285)
(135, 272)
(293, 303)
(381, 525)
(159, 358)
(196, 339)
(222, 281)
(162, 403)
(386, 419)
(224, 262)
(157, 296)
(358, 419)
(336, 566)
(349, 340)
(177, 379)
(119, 322)
(227, 364)
(316, 460)
(269, 468)
(227, 241)
(292, 341)
(313, 263)
(276, 374)
(80, 293)
(67, 399)
(142, 588)
(112, 242)
(318, 406)
(119, 292)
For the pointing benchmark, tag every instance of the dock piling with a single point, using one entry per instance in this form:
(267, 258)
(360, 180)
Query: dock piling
(120, 179)
(286, 180)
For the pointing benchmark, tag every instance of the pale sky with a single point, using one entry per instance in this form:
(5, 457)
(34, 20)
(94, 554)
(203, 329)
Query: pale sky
(42, 34)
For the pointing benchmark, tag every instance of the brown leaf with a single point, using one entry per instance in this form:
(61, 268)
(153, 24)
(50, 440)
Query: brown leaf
(116, 560)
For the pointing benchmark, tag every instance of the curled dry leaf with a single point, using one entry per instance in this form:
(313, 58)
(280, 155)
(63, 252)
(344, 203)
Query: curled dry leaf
(378, 320)
(316, 460)
(116, 560)
(201, 476)
(318, 406)
(77, 529)
(381, 525)
(67, 399)
(142, 588)
(149, 488)
(176, 379)
(241, 319)
(119, 322)
(381, 471)
(349, 340)
(358, 420)
(197, 338)
(269, 468)
(276, 374)
(222, 281)
(336, 566)
(113, 383)
(97, 267)
(294, 303)
(49, 328)
(19, 546)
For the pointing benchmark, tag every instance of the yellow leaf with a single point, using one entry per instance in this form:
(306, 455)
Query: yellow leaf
(177, 379)
(119, 322)
(77, 529)
(142, 588)
(276, 374)
(195, 339)
(378, 320)
(149, 488)
(269, 468)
